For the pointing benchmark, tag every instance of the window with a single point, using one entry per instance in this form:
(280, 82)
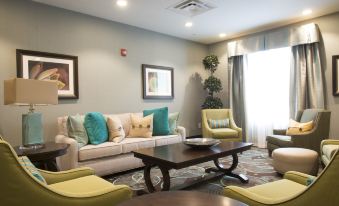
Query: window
(267, 78)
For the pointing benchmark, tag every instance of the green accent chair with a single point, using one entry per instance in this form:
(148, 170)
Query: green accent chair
(234, 133)
(328, 148)
(293, 189)
(309, 140)
(68, 188)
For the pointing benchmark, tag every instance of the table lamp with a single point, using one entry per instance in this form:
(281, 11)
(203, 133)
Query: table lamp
(29, 92)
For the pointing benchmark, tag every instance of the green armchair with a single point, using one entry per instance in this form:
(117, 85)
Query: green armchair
(234, 133)
(310, 140)
(328, 148)
(293, 189)
(68, 188)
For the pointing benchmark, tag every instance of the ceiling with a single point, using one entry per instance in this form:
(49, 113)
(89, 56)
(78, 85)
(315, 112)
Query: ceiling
(232, 17)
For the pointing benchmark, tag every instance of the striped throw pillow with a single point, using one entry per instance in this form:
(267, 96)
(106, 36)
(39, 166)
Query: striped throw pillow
(27, 164)
(219, 123)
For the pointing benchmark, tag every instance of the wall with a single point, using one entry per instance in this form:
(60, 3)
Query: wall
(108, 83)
(330, 46)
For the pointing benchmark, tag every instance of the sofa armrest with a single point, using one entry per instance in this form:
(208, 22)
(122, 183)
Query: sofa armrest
(298, 177)
(182, 131)
(70, 159)
(279, 131)
(55, 177)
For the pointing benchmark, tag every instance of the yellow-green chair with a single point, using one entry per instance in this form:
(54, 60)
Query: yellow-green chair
(74, 187)
(233, 133)
(328, 148)
(293, 189)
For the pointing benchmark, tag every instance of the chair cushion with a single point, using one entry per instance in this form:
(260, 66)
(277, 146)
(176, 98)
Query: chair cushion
(96, 127)
(218, 123)
(280, 140)
(329, 150)
(224, 133)
(106, 149)
(166, 140)
(309, 115)
(129, 144)
(82, 185)
(281, 189)
(160, 120)
(295, 128)
(27, 164)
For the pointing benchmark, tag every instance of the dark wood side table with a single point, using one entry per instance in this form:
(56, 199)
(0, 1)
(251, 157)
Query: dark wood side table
(44, 158)
(181, 198)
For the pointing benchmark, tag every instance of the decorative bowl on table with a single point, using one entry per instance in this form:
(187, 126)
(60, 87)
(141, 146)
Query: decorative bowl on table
(201, 143)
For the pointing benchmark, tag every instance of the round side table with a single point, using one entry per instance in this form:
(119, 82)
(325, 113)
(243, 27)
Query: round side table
(44, 157)
(181, 198)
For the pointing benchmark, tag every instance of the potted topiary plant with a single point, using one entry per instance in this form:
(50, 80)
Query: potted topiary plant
(212, 84)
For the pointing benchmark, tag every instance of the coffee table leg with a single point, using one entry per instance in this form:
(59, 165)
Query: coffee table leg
(229, 171)
(148, 180)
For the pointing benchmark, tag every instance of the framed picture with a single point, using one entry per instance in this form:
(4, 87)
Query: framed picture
(48, 66)
(335, 75)
(157, 82)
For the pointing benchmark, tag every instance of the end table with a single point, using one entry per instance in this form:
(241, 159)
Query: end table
(44, 157)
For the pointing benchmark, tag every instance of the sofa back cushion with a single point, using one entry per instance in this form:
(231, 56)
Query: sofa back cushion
(95, 124)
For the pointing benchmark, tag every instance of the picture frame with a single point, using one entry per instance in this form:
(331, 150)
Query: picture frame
(335, 75)
(158, 82)
(50, 66)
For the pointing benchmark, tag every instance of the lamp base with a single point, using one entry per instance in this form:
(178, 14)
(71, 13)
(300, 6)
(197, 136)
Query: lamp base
(32, 129)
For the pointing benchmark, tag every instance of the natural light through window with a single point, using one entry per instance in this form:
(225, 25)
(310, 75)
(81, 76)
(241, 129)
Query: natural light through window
(267, 93)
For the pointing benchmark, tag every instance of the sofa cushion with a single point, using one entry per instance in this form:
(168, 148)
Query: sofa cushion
(106, 149)
(329, 150)
(280, 140)
(173, 119)
(166, 140)
(141, 126)
(131, 143)
(160, 120)
(115, 129)
(96, 128)
(224, 133)
(76, 129)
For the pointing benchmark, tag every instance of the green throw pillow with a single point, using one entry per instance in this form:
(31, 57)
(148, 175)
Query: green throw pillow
(173, 119)
(76, 130)
(218, 123)
(160, 121)
(96, 128)
(27, 164)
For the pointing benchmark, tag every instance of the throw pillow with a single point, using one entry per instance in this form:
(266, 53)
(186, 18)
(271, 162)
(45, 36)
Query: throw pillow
(96, 128)
(218, 123)
(141, 126)
(310, 180)
(173, 119)
(27, 164)
(115, 129)
(160, 120)
(76, 130)
(298, 128)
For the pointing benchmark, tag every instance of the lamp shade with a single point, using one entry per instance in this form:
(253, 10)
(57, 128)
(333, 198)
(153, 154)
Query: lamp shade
(30, 92)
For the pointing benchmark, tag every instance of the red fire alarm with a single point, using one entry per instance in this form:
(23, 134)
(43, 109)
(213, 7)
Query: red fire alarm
(123, 52)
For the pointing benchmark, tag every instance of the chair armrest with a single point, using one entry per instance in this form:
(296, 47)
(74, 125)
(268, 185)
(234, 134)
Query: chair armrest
(55, 177)
(279, 131)
(182, 131)
(70, 159)
(298, 177)
(246, 196)
(235, 127)
(329, 141)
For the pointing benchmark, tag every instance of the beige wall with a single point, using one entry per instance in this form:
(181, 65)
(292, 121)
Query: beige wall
(330, 34)
(108, 83)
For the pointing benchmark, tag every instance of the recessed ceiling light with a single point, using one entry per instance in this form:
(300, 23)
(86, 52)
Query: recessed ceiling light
(188, 24)
(222, 35)
(122, 3)
(307, 12)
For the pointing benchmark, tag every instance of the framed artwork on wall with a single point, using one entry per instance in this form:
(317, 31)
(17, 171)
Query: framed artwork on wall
(157, 82)
(49, 66)
(335, 74)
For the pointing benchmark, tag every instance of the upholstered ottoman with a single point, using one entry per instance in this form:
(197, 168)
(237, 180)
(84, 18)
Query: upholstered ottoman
(295, 159)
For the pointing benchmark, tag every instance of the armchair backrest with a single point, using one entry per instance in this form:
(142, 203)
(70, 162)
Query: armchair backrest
(216, 113)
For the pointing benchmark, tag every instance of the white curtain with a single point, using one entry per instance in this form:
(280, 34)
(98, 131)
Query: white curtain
(266, 82)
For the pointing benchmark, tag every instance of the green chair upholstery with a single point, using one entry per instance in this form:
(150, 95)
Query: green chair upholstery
(233, 133)
(68, 188)
(293, 189)
(328, 148)
(309, 140)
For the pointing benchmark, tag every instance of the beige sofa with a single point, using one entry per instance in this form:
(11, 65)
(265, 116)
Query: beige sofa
(109, 157)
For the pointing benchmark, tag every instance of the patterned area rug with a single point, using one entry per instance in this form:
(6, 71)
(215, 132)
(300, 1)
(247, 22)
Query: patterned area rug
(254, 163)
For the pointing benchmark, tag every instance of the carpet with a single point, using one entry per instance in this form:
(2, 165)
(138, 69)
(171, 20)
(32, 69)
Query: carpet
(254, 163)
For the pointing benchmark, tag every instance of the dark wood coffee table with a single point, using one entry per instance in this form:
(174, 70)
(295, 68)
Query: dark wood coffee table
(181, 198)
(178, 156)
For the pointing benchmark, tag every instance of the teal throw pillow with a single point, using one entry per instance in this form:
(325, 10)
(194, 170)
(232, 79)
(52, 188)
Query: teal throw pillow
(218, 123)
(96, 128)
(76, 130)
(173, 119)
(27, 164)
(160, 121)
